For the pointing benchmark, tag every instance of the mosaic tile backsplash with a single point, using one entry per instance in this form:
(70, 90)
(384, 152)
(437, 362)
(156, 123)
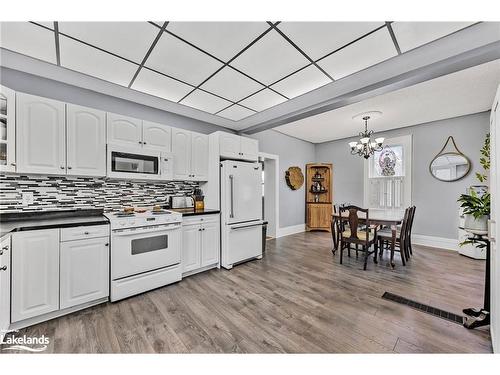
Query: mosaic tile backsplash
(62, 193)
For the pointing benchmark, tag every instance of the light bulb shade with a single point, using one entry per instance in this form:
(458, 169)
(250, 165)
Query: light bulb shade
(364, 140)
(359, 146)
(379, 140)
(352, 144)
(373, 144)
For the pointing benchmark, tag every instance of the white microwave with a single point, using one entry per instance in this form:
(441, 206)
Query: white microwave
(140, 164)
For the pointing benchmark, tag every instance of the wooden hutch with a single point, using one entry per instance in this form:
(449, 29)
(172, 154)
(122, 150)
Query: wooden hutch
(318, 196)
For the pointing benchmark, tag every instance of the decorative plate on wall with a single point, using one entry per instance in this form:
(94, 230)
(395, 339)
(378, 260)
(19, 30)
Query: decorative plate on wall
(294, 177)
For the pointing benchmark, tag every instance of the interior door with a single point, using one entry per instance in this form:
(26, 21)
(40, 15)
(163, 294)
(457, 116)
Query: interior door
(40, 138)
(123, 130)
(86, 141)
(199, 157)
(156, 136)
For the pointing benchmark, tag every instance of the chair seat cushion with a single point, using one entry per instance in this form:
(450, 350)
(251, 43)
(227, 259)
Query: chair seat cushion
(361, 235)
(387, 233)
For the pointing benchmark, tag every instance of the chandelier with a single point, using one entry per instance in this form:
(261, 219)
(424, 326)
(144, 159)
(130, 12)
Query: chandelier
(365, 147)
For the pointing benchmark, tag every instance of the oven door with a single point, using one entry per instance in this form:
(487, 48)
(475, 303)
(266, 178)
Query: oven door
(133, 163)
(138, 250)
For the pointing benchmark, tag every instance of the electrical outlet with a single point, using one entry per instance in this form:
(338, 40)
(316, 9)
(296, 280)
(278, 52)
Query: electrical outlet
(27, 198)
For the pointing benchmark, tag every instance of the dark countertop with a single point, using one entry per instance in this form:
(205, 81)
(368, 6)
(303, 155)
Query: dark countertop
(16, 222)
(191, 212)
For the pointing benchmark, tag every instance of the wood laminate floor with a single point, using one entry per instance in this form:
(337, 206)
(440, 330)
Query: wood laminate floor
(297, 299)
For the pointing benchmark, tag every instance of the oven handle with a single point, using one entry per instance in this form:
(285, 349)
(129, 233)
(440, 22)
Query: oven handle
(157, 228)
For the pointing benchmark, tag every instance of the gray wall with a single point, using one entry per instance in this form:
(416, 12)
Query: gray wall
(436, 201)
(292, 152)
(31, 84)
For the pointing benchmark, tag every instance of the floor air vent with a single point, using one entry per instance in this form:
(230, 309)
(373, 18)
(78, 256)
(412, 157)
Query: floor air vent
(425, 308)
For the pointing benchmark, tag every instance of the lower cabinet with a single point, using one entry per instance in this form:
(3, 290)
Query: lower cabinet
(4, 286)
(84, 274)
(200, 243)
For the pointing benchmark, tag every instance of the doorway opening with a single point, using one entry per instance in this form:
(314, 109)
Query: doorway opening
(270, 192)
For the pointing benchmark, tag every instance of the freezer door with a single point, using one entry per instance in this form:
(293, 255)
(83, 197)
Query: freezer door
(241, 191)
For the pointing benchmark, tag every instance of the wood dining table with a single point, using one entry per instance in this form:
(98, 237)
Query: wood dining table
(389, 218)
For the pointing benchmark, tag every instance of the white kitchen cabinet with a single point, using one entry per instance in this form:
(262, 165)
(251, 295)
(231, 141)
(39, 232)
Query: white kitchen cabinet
(84, 271)
(40, 138)
(156, 136)
(181, 149)
(199, 157)
(35, 273)
(124, 130)
(4, 286)
(201, 243)
(7, 130)
(232, 146)
(86, 141)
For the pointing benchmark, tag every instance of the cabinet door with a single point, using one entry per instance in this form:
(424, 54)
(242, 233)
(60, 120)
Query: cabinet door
(319, 215)
(35, 273)
(84, 271)
(191, 247)
(156, 136)
(249, 149)
(40, 140)
(86, 141)
(123, 130)
(181, 149)
(199, 157)
(229, 145)
(210, 247)
(7, 129)
(4, 286)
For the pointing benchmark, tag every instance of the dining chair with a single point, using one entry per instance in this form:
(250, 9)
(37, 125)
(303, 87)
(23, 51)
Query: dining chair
(354, 234)
(384, 237)
(410, 228)
(335, 229)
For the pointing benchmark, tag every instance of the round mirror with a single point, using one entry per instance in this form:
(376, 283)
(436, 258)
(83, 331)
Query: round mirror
(450, 166)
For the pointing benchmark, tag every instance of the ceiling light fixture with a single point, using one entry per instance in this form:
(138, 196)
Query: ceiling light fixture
(365, 147)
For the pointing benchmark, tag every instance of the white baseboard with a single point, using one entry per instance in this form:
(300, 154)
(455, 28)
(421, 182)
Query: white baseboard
(286, 231)
(438, 242)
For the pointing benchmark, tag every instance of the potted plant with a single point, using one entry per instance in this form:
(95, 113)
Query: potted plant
(477, 206)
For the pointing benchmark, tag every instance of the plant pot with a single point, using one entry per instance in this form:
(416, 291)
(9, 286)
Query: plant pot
(476, 226)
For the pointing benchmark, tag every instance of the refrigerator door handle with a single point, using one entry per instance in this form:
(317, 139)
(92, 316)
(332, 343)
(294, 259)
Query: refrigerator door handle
(246, 226)
(231, 186)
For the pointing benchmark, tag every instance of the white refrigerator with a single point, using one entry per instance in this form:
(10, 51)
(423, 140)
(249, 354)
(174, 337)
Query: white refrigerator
(241, 212)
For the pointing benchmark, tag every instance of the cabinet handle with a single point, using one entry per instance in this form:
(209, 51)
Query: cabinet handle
(13, 164)
(143, 143)
(106, 244)
(4, 268)
(62, 167)
(70, 167)
(199, 230)
(5, 248)
(86, 233)
(140, 142)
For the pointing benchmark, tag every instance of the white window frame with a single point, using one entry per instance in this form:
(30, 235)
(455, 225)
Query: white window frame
(406, 141)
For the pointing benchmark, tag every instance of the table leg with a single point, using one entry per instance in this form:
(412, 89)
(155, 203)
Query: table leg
(393, 244)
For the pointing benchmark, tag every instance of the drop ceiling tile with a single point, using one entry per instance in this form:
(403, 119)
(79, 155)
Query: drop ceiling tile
(263, 100)
(231, 84)
(205, 101)
(366, 52)
(178, 59)
(91, 61)
(127, 39)
(222, 39)
(319, 38)
(413, 34)
(270, 59)
(301, 82)
(28, 39)
(159, 85)
(235, 113)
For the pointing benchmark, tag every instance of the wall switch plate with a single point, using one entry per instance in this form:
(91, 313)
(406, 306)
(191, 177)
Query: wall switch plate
(27, 198)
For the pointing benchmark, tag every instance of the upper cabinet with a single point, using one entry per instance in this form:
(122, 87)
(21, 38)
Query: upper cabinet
(232, 146)
(7, 130)
(41, 145)
(190, 151)
(86, 141)
(128, 131)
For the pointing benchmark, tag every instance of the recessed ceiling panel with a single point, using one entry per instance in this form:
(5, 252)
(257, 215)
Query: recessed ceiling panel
(235, 113)
(91, 61)
(28, 39)
(270, 59)
(178, 59)
(205, 101)
(262, 100)
(301, 82)
(366, 52)
(160, 85)
(319, 38)
(413, 34)
(221, 39)
(231, 84)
